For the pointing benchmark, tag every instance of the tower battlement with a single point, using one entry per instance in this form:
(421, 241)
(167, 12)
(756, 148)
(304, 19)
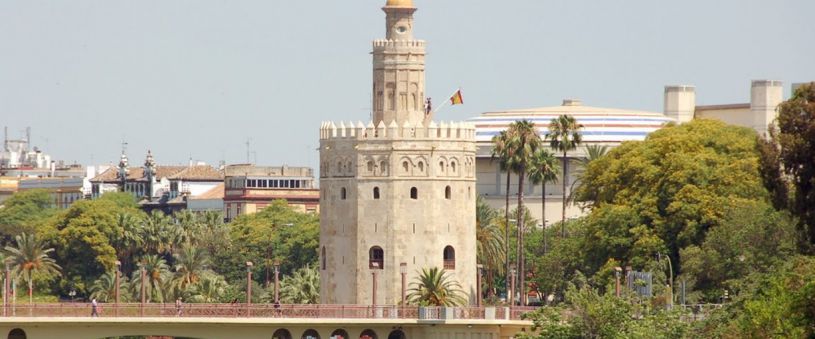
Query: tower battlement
(384, 43)
(463, 131)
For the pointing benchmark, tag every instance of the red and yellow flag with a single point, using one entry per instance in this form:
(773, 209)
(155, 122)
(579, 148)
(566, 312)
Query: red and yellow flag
(457, 99)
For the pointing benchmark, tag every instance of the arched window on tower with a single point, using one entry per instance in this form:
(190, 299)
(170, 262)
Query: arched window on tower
(453, 166)
(421, 166)
(343, 193)
(370, 166)
(376, 193)
(405, 166)
(448, 192)
(414, 193)
(376, 258)
(449, 258)
(383, 167)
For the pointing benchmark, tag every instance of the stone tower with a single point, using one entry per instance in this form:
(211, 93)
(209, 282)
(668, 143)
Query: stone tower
(399, 190)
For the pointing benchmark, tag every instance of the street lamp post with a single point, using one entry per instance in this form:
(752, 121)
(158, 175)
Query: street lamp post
(248, 286)
(403, 271)
(478, 285)
(118, 274)
(375, 266)
(511, 291)
(617, 272)
(6, 290)
(276, 282)
(143, 274)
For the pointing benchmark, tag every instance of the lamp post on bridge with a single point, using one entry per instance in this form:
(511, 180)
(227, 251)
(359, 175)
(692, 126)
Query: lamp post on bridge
(143, 275)
(118, 275)
(248, 286)
(511, 291)
(403, 271)
(480, 268)
(374, 268)
(277, 282)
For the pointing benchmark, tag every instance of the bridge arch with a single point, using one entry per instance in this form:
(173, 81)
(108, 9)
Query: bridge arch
(397, 334)
(339, 334)
(282, 334)
(368, 334)
(17, 333)
(310, 334)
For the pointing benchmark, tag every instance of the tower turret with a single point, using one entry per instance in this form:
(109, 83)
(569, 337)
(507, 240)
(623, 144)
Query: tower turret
(398, 74)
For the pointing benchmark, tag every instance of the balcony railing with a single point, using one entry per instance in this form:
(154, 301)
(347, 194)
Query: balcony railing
(239, 310)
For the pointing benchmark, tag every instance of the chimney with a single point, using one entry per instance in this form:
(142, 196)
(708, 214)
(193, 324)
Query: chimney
(765, 95)
(680, 102)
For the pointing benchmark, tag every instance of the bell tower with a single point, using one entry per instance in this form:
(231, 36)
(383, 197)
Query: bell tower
(398, 69)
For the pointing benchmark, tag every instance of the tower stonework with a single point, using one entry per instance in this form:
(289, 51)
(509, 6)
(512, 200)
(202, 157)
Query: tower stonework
(399, 190)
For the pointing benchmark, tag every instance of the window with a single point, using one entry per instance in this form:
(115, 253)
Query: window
(453, 166)
(449, 258)
(383, 167)
(376, 193)
(414, 193)
(322, 258)
(448, 192)
(421, 166)
(343, 193)
(368, 334)
(339, 334)
(405, 166)
(441, 166)
(370, 166)
(376, 258)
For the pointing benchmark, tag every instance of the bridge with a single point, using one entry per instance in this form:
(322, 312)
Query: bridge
(227, 321)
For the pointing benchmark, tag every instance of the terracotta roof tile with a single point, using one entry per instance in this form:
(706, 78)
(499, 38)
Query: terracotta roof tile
(199, 173)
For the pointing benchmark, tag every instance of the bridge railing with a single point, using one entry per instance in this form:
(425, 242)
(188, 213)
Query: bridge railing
(239, 310)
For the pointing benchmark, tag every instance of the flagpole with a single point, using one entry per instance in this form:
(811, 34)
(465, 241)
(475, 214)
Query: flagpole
(446, 102)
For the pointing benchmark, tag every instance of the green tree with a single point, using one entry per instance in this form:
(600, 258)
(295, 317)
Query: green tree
(593, 152)
(191, 263)
(104, 288)
(211, 288)
(23, 212)
(85, 236)
(543, 171)
(29, 259)
(489, 242)
(503, 151)
(434, 287)
(794, 134)
(564, 136)
(276, 232)
(525, 141)
(669, 190)
(156, 276)
(301, 287)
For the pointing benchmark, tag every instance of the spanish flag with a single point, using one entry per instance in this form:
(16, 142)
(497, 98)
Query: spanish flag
(457, 99)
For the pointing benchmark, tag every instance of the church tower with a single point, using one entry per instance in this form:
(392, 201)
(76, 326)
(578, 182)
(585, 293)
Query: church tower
(398, 193)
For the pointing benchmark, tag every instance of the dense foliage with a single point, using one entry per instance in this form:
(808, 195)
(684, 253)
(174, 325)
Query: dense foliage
(193, 256)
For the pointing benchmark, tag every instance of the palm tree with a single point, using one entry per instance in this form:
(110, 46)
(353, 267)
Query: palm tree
(30, 259)
(156, 274)
(160, 234)
(489, 241)
(502, 151)
(434, 287)
(564, 135)
(542, 171)
(104, 288)
(130, 240)
(190, 263)
(302, 287)
(525, 142)
(209, 289)
(593, 152)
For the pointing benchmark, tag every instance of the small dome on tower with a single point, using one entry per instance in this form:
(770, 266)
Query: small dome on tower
(399, 3)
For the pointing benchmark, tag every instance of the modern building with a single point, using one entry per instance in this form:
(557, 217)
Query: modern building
(165, 188)
(19, 154)
(398, 194)
(212, 200)
(608, 127)
(249, 188)
(63, 191)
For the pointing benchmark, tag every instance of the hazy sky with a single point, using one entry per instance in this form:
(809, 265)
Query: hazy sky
(197, 78)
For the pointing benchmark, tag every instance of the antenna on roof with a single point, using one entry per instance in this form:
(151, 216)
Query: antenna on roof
(248, 151)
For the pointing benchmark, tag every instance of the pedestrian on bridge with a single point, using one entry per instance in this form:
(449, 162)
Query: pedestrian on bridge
(178, 307)
(94, 308)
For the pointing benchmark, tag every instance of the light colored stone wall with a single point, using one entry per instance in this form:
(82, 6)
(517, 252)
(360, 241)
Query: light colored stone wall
(733, 115)
(413, 231)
